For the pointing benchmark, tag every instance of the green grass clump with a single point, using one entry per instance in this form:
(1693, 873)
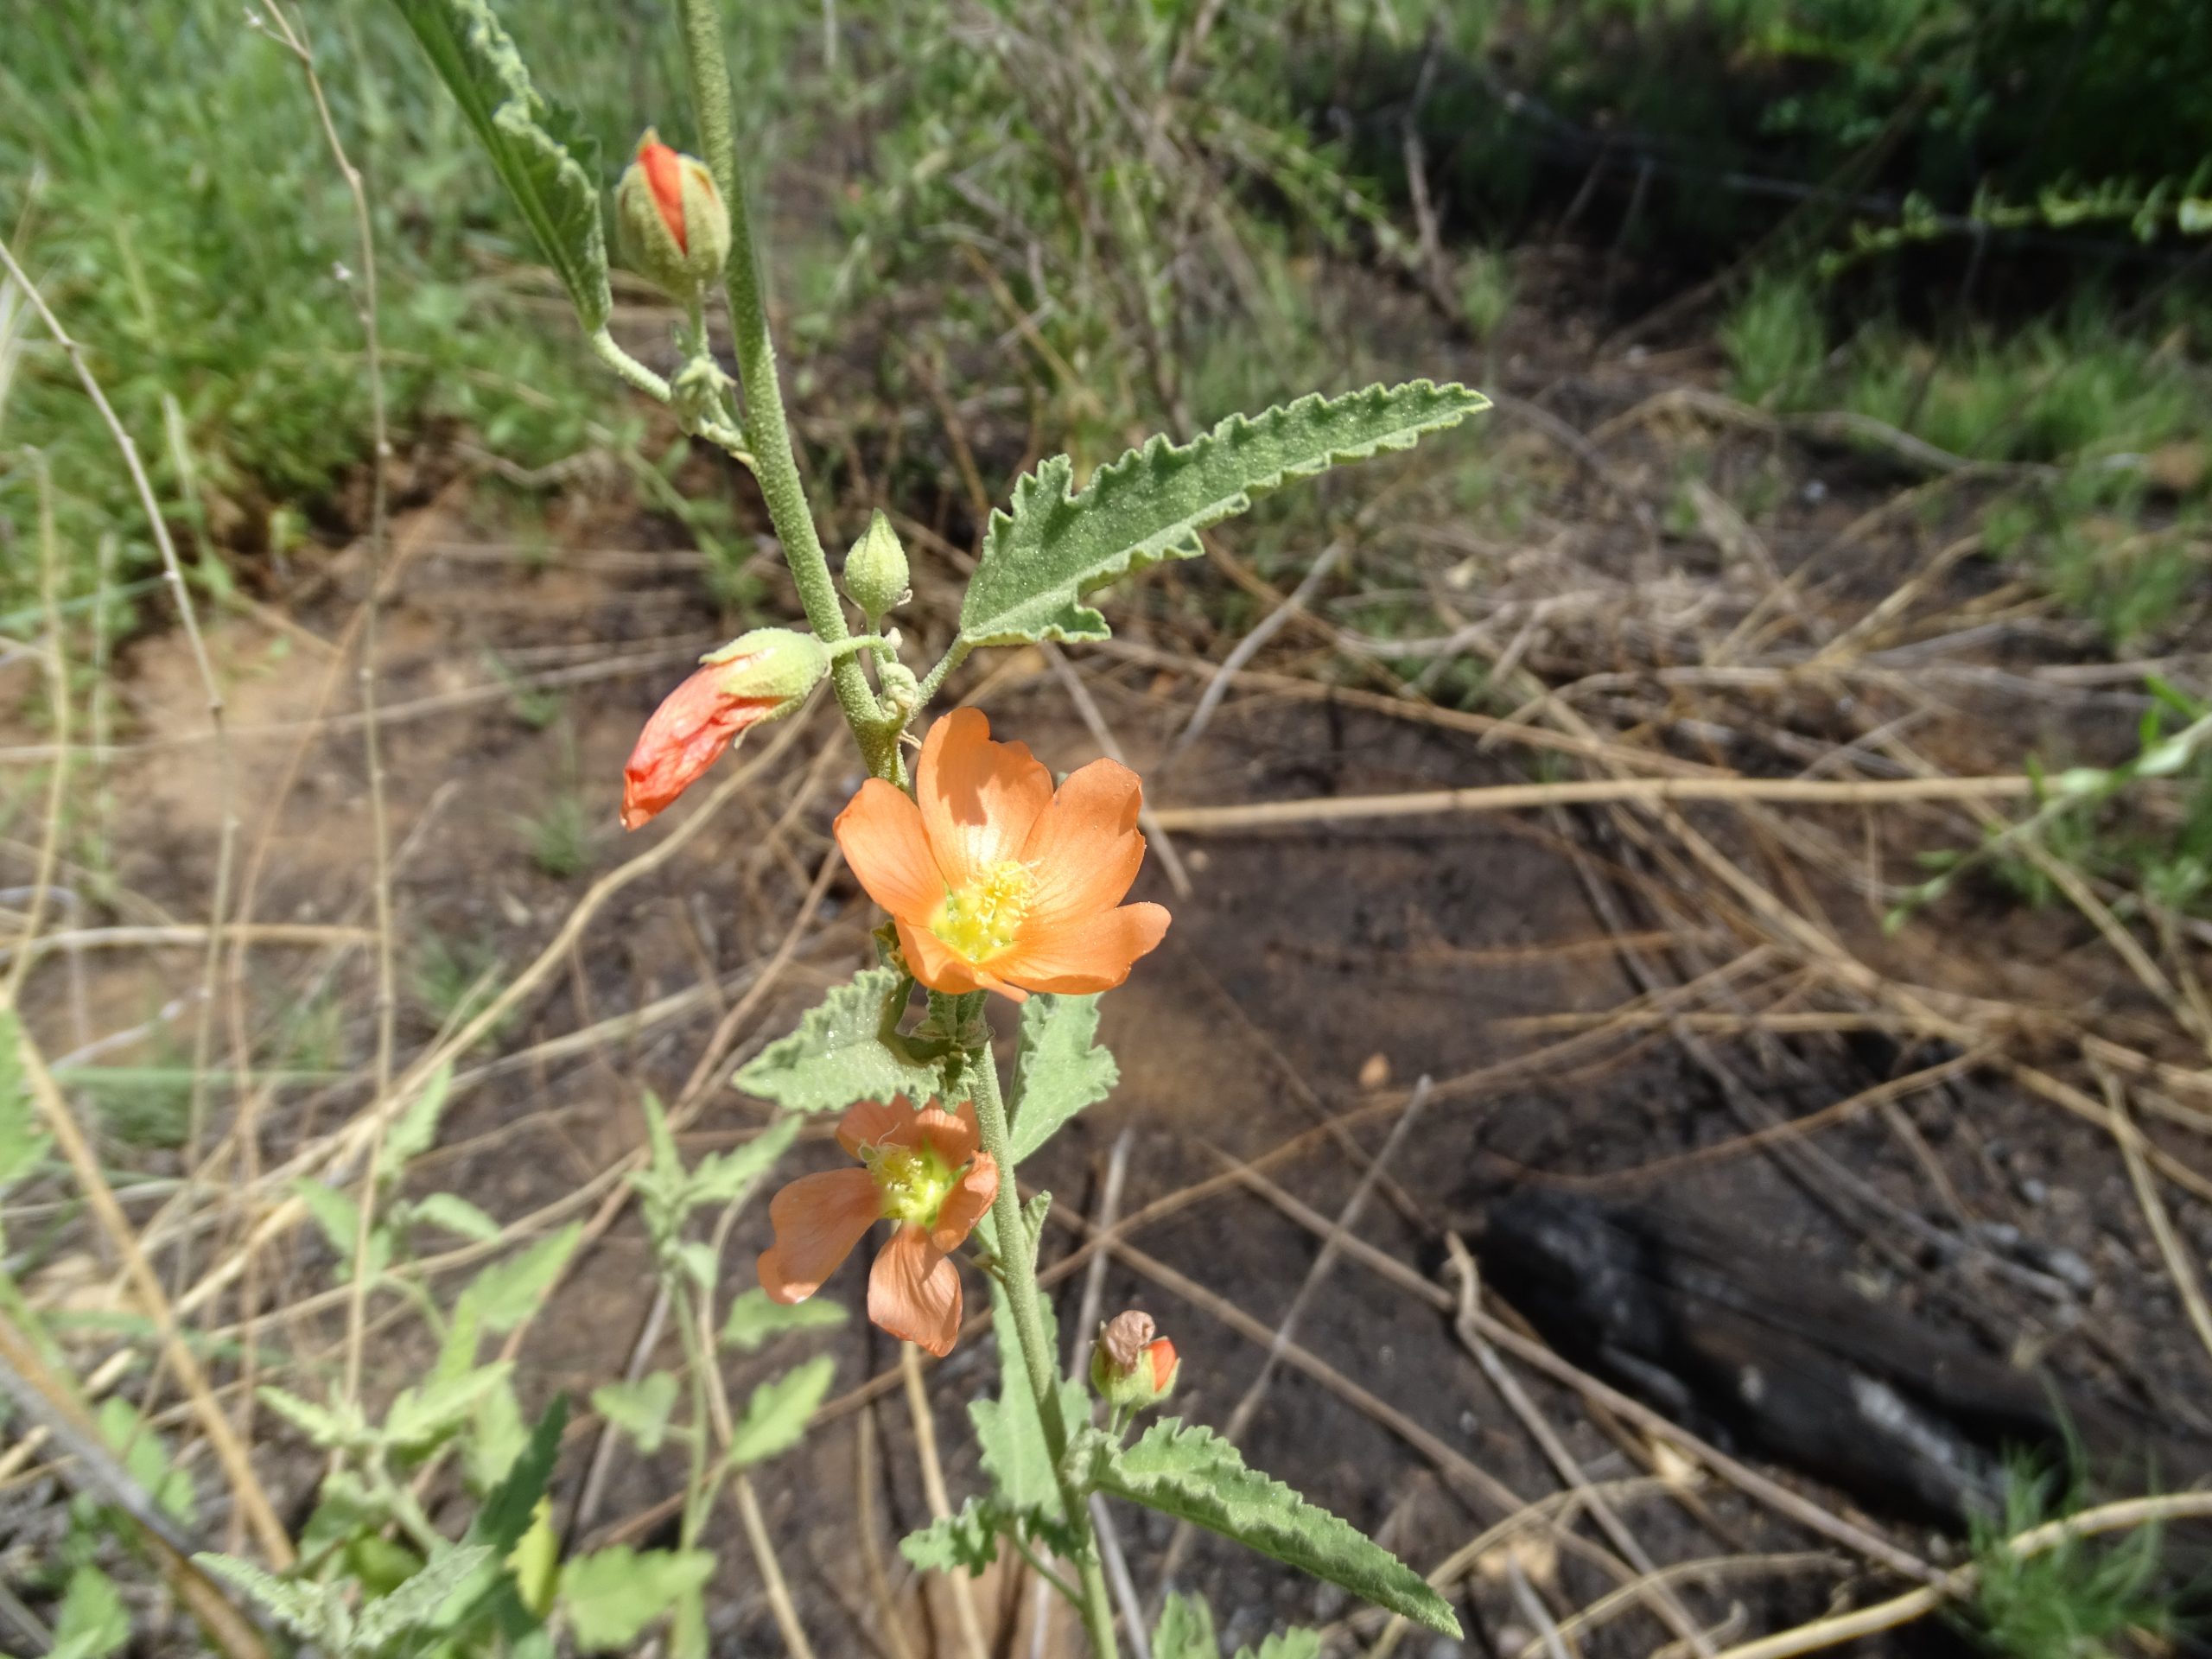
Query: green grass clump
(2071, 1602)
(164, 180)
(1776, 339)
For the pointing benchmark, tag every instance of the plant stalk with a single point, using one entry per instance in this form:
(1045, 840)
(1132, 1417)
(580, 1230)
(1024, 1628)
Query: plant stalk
(1020, 1256)
(766, 429)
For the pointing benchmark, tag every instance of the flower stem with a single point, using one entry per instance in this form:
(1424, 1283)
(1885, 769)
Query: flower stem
(1018, 1254)
(768, 432)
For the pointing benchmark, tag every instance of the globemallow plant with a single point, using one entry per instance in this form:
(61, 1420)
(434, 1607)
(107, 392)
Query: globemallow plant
(993, 882)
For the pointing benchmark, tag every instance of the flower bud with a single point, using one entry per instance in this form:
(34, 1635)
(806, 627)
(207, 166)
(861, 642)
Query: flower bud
(673, 225)
(757, 677)
(875, 571)
(1129, 1366)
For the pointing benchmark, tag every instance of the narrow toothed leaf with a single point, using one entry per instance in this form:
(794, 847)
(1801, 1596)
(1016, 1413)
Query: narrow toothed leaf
(1193, 1474)
(542, 155)
(1057, 543)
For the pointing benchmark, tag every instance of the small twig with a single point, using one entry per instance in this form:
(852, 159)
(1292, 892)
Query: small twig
(2180, 1268)
(1917, 1604)
(918, 1409)
(1518, 798)
(1273, 623)
(1171, 861)
(1662, 1599)
(1339, 1236)
(237, 1468)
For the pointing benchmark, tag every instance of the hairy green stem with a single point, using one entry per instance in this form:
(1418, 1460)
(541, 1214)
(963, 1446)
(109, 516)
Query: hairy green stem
(774, 463)
(955, 654)
(1019, 1253)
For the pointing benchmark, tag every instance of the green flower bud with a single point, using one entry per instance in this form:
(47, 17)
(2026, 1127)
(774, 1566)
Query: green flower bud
(1130, 1368)
(875, 571)
(673, 225)
(781, 663)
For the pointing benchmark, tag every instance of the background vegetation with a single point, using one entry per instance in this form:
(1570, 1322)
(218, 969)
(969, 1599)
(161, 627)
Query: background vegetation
(1861, 345)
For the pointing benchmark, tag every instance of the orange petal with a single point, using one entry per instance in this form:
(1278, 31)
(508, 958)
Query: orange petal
(1086, 954)
(683, 737)
(953, 1137)
(964, 1205)
(870, 1124)
(881, 832)
(979, 799)
(1084, 847)
(664, 173)
(930, 960)
(913, 1292)
(818, 1219)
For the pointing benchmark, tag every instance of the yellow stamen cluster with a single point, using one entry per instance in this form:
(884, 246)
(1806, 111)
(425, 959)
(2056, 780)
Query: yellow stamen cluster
(913, 1182)
(979, 921)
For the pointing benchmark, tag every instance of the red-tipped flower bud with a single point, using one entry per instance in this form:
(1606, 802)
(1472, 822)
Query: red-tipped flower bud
(674, 226)
(760, 676)
(1129, 1366)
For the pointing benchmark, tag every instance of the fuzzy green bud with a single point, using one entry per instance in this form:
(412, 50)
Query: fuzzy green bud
(779, 663)
(673, 225)
(875, 571)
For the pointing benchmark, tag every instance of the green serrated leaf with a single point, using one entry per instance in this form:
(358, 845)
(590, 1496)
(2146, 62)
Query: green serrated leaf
(755, 1318)
(639, 1409)
(342, 1426)
(456, 1215)
(421, 1416)
(1057, 1069)
(1057, 544)
(92, 1622)
(147, 1457)
(505, 1516)
(507, 1292)
(723, 1177)
(837, 1054)
(419, 1599)
(966, 1542)
(1009, 1429)
(495, 1438)
(294, 1605)
(1295, 1643)
(541, 153)
(415, 1130)
(1185, 1630)
(611, 1595)
(776, 1414)
(333, 1211)
(1193, 1474)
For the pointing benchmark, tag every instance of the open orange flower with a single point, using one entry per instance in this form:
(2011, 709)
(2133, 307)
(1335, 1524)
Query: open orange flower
(994, 881)
(921, 1169)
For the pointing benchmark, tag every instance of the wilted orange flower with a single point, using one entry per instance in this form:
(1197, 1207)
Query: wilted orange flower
(921, 1169)
(687, 734)
(1129, 1366)
(994, 881)
(759, 676)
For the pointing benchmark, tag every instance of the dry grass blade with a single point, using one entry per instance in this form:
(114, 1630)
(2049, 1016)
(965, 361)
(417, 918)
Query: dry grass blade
(237, 1468)
(1521, 798)
(1918, 1604)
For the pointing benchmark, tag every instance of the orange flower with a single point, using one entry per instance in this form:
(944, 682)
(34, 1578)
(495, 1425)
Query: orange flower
(994, 881)
(921, 1169)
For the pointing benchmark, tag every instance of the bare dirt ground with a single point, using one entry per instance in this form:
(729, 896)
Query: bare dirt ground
(1681, 1010)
